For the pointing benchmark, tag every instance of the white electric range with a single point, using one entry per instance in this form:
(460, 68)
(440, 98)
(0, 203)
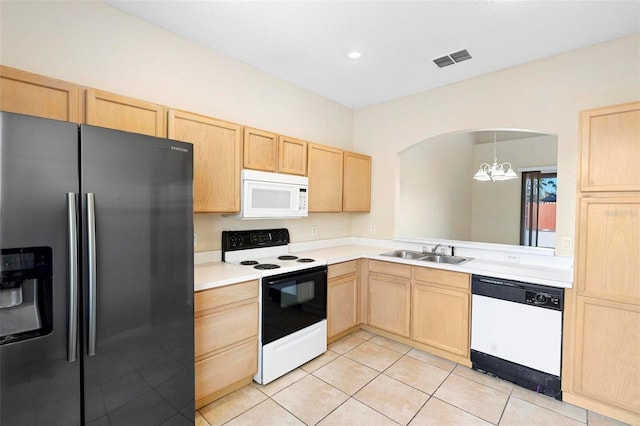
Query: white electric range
(293, 299)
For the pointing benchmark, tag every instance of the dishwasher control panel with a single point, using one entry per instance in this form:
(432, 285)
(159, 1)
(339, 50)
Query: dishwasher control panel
(542, 299)
(519, 292)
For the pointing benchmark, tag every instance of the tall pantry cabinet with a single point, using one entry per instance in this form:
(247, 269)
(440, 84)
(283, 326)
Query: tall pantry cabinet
(601, 368)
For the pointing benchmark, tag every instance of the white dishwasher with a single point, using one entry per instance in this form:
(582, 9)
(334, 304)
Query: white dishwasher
(516, 332)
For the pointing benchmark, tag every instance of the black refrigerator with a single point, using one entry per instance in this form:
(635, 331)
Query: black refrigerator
(96, 298)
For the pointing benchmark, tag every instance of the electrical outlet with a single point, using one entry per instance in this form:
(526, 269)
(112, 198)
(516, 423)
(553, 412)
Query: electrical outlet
(373, 229)
(313, 230)
(567, 243)
(512, 257)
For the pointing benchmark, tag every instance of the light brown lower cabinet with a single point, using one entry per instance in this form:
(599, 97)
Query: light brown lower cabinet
(226, 340)
(608, 365)
(427, 308)
(441, 310)
(389, 297)
(342, 299)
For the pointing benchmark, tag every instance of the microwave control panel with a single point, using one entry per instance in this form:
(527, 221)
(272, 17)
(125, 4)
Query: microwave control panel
(303, 199)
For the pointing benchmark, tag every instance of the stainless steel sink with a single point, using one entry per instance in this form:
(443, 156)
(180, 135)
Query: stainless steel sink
(427, 257)
(405, 254)
(441, 258)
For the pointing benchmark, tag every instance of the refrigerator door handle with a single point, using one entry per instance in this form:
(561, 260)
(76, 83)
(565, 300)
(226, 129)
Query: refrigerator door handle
(72, 326)
(91, 243)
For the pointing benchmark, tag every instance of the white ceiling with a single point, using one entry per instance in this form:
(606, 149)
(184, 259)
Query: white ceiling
(304, 42)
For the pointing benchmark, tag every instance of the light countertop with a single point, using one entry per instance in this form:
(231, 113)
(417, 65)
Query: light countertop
(218, 274)
(215, 274)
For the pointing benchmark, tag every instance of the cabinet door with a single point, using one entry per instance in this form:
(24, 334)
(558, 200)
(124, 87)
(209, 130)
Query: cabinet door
(356, 196)
(32, 94)
(610, 149)
(342, 304)
(389, 303)
(609, 248)
(608, 352)
(460, 280)
(217, 372)
(441, 318)
(325, 179)
(260, 150)
(216, 160)
(114, 111)
(223, 328)
(292, 156)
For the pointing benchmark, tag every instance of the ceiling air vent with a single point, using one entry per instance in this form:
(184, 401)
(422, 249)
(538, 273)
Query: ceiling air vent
(452, 58)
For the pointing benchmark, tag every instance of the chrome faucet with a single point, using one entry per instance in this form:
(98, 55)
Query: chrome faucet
(439, 246)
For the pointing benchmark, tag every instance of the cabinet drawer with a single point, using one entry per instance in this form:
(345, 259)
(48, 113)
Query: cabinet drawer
(343, 268)
(440, 276)
(221, 296)
(224, 328)
(390, 268)
(223, 369)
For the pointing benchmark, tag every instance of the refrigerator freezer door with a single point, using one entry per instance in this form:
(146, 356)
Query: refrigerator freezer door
(38, 167)
(142, 370)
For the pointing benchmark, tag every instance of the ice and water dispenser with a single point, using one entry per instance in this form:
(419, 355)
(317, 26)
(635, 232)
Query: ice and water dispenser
(26, 297)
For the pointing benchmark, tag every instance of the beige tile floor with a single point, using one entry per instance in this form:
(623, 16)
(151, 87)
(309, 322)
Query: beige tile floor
(365, 379)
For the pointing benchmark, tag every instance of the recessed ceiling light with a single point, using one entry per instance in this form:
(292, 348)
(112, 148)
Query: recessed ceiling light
(354, 54)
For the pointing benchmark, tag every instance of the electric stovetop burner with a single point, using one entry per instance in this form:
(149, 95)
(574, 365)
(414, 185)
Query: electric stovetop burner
(249, 262)
(288, 257)
(267, 266)
(306, 260)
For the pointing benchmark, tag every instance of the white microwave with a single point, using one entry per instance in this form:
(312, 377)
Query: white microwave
(266, 195)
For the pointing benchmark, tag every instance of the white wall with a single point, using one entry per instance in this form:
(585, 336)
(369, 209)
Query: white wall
(545, 96)
(89, 43)
(433, 196)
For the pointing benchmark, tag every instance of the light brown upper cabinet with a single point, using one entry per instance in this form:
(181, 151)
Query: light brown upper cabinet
(325, 178)
(270, 152)
(292, 156)
(217, 157)
(119, 112)
(32, 94)
(356, 196)
(610, 148)
(260, 150)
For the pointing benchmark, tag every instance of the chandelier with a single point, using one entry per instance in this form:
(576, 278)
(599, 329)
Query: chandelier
(495, 171)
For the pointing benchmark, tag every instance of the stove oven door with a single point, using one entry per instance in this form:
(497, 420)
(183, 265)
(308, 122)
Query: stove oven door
(293, 301)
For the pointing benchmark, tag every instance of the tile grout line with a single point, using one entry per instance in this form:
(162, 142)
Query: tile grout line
(505, 406)
(362, 387)
(431, 396)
